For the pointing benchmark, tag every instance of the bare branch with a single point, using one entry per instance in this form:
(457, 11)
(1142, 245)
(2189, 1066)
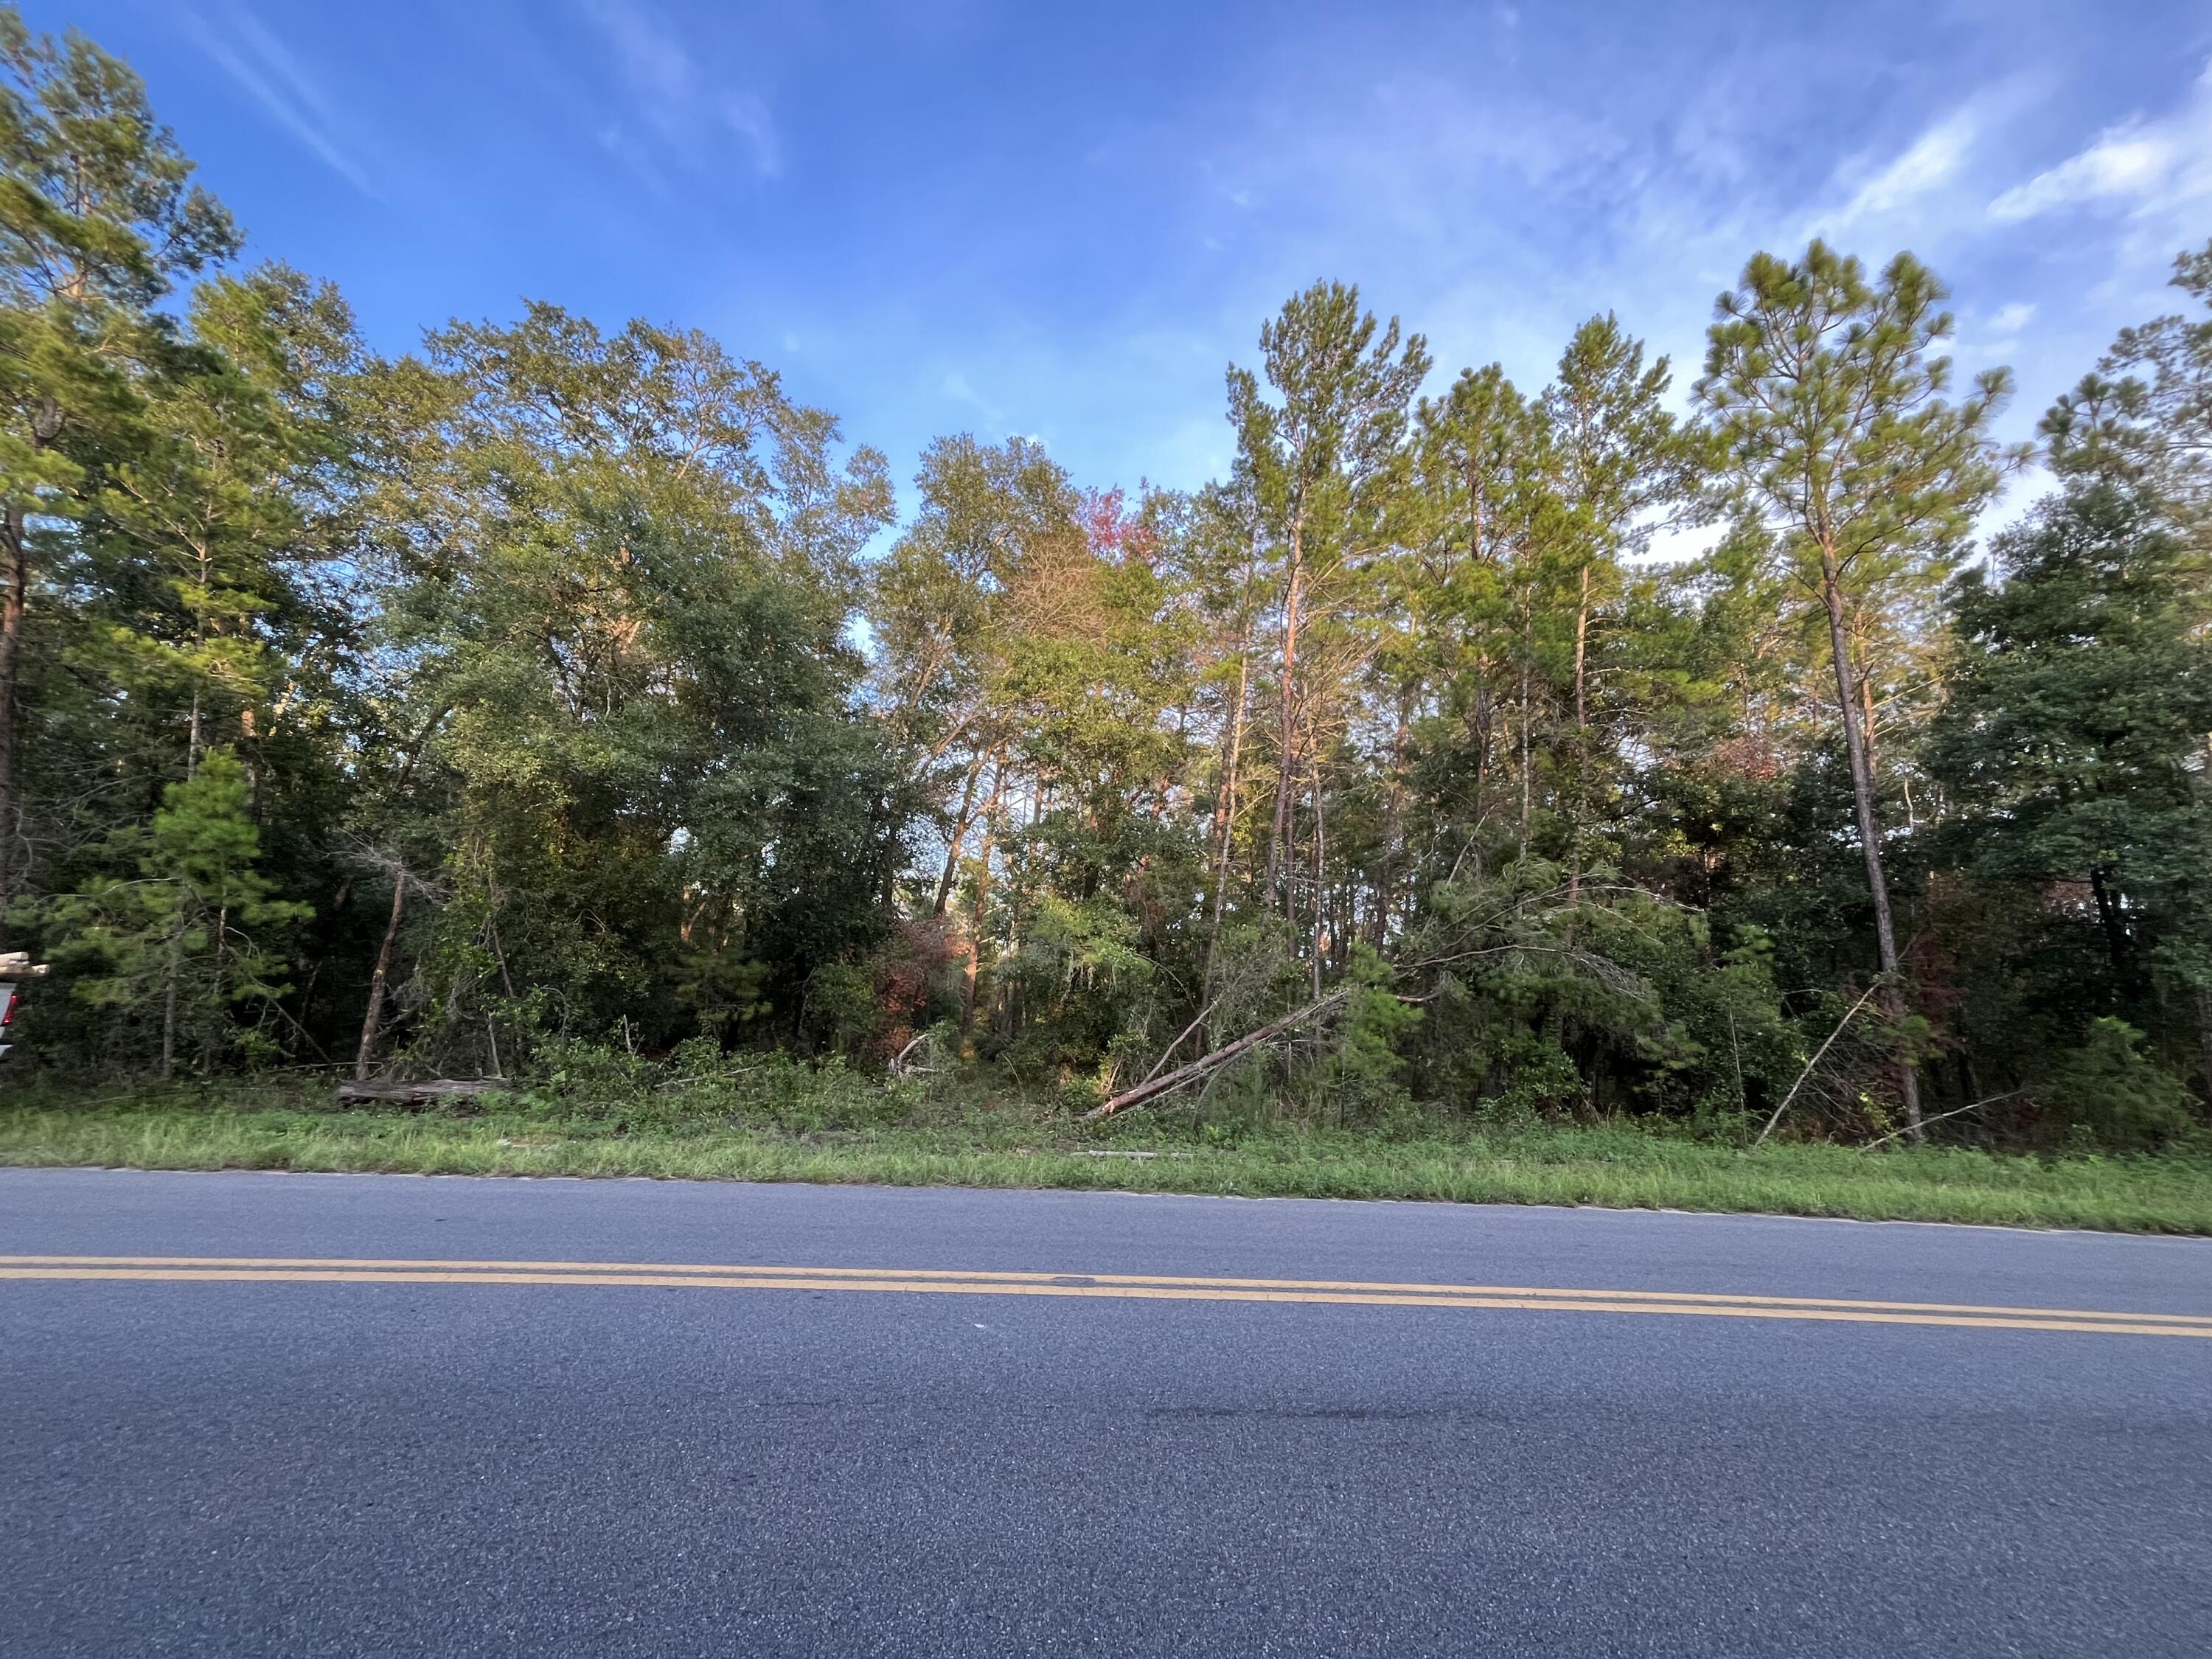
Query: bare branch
(1815, 1060)
(1971, 1106)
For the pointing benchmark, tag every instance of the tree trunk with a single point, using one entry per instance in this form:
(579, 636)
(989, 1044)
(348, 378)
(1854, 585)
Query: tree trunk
(193, 735)
(375, 1015)
(1320, 889)
(959, 835)
(1869, 715)
(377, 980)
(1393, 827)
(221, 942)
(1225, 808)
(1289, 701)
(14, 585)
(2115, 931)
(2204, 1036)
(1484, 712)
(1527, 785)
(172, 977)
(1855, 748)
(1582, 741)
(982, 899)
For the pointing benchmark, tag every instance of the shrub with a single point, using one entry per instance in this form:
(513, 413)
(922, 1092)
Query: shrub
(2111, 1089)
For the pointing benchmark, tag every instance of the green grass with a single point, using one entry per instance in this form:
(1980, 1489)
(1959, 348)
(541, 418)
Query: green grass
(847, 1130)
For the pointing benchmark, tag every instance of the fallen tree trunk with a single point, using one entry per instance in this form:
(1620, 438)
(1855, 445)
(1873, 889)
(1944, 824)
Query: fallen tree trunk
(1153, 1088)
(417, 1093)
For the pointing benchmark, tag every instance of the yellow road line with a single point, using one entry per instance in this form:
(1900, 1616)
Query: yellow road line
(1077, 1280)
(355, 1270)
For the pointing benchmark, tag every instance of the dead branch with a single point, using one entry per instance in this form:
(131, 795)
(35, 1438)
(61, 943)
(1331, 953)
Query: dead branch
(700, 1080)
(1970, 1106)
(1813, 1062)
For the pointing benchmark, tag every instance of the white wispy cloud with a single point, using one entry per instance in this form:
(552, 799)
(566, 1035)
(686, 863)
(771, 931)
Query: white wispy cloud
(2011, 319)
(747, 117)
(2138, 166)
(262, 66)
(670, 95)
(1932, 160)
(653, 62)
(955, 386)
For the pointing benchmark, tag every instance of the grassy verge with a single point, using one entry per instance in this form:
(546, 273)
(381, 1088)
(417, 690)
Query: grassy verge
(1615, 1165)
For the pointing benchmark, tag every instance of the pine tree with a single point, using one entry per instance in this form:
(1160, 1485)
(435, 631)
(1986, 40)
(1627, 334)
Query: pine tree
(1327, 458)
(183, 943)
(1837, 435)
(98, 219)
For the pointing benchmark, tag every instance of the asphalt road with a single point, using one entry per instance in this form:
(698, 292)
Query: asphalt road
(300, 1467)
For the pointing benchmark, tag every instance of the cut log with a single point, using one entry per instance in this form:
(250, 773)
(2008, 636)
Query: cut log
(1153, 1088)
(352, 1093)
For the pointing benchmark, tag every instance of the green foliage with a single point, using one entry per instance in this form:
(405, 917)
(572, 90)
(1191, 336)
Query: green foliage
(2143, 418)
(1358, 1078)
(182, 941)
(2109, 1088)
(2074, 739)
(1545, 1083)
(96, 203)
(1830, 408)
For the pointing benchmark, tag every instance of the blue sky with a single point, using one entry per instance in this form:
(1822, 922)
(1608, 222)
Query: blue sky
(1065, 221)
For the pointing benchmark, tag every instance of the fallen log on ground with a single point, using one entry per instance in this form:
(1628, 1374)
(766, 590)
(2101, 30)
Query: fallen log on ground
(351, 1092)
(1153, 1088)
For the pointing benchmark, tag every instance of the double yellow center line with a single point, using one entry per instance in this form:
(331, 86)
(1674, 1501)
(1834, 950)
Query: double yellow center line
(320, 1270)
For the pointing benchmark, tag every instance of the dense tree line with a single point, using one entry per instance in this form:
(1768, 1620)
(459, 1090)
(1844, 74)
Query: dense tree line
(551, 686)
